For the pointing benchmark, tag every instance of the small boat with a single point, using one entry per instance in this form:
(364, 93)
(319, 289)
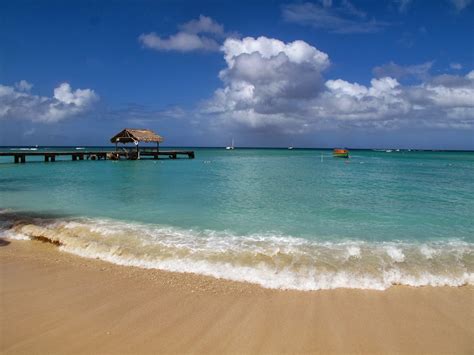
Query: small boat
(232, 146)
(290, 148)
(340, 153)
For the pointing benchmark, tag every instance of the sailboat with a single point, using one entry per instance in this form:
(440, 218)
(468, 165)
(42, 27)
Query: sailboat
(232, 146)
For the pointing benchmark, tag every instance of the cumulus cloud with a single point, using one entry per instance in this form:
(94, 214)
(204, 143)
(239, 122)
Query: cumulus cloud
(343, 18)
(265, 77)
(386, 103)
(419, 71)
(269, 84)
(190, 37)
(16, 102)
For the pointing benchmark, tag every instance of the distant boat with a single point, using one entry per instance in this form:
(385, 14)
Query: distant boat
(340, 153)
(388, 151)
(290, 148)
(79, 148)
(232, 146)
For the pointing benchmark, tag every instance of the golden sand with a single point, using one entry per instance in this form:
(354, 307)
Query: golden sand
(55, 303)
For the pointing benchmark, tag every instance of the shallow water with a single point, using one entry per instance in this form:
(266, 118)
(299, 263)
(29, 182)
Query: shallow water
(297, 219)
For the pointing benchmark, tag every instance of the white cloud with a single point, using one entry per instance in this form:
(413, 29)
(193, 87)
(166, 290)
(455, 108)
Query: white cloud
(181, 41)
(266, 76)
(386, 103)
(23, 85)
(269, 84)
(344, 18)
(189, 38)
(203, 25)
(297, 52)
(419, 71)
(17, 103)
(356, 104)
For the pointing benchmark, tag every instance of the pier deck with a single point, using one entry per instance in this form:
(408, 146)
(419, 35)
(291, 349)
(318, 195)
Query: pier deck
(50, 156)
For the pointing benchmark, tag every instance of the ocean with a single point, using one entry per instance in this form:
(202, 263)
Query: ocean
(286, 219)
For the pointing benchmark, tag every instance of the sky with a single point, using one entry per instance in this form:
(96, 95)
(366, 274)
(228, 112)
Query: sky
(322, 73)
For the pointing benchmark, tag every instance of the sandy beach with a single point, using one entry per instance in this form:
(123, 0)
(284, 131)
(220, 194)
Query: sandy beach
(56, 303)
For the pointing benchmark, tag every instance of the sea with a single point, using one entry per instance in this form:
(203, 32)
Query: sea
(284, 219)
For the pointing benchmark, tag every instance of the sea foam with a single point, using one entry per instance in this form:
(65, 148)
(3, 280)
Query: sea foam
(270, 260)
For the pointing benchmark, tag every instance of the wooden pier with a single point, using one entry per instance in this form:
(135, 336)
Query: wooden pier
(50, 156)
(127, 135)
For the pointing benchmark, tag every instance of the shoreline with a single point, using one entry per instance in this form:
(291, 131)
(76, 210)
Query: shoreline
(270, 260)
(55, 302)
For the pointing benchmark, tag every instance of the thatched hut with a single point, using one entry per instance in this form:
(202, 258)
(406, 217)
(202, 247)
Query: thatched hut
(130, 135)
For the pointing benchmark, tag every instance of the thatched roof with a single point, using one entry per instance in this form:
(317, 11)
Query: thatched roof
(130, 135)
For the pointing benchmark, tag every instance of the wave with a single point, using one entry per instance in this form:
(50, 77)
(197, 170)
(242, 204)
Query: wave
(270, 260)
(23, 148)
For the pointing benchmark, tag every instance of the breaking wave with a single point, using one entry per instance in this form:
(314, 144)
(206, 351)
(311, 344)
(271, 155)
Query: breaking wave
(272, 261)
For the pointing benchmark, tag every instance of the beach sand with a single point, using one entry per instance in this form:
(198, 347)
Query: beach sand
(56, 303)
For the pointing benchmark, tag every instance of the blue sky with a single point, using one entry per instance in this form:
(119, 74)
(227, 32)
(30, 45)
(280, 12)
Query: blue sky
(269, 73)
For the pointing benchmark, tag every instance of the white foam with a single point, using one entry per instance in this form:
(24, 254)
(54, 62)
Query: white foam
(284, 279)
(353, 251)
(13, 235)
(428, 252)
(268, 259)
(395, 253)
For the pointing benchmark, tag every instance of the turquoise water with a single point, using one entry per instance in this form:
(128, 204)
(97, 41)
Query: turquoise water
(287, 219)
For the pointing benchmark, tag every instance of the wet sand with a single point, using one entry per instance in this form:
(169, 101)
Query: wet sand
(56, 303)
